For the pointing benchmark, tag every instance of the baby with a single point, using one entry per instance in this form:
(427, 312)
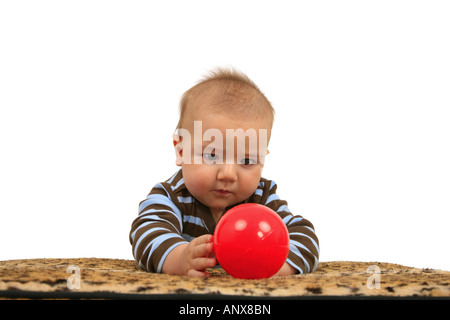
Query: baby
(173, 232)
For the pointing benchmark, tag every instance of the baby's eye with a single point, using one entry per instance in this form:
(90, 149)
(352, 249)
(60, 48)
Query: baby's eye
(211, 156)
(248, 161)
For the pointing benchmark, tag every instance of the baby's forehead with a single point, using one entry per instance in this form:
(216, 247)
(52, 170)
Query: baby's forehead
(226, 98)
(222, 92)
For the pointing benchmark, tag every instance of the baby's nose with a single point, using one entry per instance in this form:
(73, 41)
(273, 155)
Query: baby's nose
(227, 172)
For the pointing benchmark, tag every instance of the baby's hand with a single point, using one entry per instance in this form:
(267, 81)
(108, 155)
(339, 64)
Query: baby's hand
(198, 255)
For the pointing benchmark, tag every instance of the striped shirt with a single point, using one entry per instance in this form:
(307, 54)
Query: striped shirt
(171, 216)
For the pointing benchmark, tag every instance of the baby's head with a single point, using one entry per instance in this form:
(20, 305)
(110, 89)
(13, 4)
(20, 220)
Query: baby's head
(222, 136)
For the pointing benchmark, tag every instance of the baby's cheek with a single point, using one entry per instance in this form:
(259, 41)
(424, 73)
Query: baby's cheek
(197, 189)
(249, 182)
(197, 185)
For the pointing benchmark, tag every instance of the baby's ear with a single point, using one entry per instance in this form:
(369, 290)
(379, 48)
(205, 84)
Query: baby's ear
(178, 149)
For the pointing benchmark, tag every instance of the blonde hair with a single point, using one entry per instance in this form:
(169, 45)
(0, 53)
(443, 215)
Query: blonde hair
(227, 86)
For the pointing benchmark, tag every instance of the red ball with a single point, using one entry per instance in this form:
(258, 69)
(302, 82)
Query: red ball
(251, 241)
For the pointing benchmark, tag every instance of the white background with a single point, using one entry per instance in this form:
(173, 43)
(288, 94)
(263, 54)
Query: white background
(89, 95)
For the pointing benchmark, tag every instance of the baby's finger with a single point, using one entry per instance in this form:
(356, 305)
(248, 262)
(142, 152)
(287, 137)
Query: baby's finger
(197, 274)
(202, 246)
(206, 238)
(203, 250)
(203, 263)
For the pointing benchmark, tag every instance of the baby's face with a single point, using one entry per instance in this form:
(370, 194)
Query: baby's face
(220, 174)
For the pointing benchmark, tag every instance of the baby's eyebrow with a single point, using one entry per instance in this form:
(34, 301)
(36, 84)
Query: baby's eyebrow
(207, 143)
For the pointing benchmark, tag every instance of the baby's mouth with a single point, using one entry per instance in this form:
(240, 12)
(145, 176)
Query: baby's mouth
(222, 192)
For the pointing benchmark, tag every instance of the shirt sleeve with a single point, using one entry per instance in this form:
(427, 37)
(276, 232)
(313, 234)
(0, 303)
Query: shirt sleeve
(157, 230)
(304, 244)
